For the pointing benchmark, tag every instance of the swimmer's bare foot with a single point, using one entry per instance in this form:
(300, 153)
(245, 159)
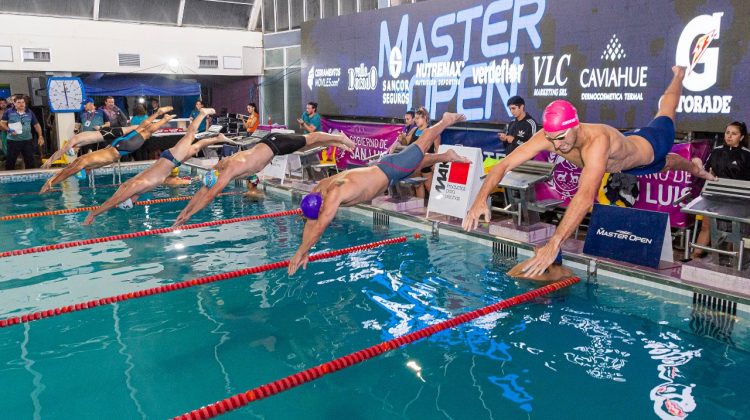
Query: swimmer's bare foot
(346, 143)
(452, 156)
(450, 118)
(679, 71)
(208, 111)
(701, 172)
(163, 110)
(169, 117)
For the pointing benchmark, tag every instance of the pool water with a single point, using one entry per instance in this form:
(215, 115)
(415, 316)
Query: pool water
(608, 350)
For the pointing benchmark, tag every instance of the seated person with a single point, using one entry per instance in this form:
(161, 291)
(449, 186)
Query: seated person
(157, 173)
(249, 162)
(730, 160)
(121, 146)
(361, 185)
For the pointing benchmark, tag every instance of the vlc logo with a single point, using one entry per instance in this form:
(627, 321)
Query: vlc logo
(396, 62)
(702, 31)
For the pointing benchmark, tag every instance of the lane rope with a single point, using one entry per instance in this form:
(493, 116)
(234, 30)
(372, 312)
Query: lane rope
(34, 316)
(264, 391)
(89, 208)
(73, 244)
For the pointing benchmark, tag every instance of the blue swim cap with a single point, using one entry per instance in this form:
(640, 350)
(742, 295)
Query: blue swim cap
(310, 205)
(210, 177)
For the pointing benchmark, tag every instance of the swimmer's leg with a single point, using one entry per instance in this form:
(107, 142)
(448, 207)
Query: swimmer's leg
(319, 138)
(80, 139)
(694, 166)
(671, 97)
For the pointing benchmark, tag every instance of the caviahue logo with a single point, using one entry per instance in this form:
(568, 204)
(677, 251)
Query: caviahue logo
(697, 50)
(608, 82)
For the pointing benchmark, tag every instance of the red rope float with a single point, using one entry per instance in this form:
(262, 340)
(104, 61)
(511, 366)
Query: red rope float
(240, 400)
(89, 208)
(33, 316)
(73, 244)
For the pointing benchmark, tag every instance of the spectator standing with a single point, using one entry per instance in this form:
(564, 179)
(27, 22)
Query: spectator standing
(18, 123)
(114, 114)
(521, 128)
(92, 119)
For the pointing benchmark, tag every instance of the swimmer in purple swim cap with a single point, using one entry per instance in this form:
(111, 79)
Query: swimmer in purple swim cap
(249, 162)
(361, 185)
(597, 148)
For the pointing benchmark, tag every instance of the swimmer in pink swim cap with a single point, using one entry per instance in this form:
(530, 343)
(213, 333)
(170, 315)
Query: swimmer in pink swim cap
(597, 148)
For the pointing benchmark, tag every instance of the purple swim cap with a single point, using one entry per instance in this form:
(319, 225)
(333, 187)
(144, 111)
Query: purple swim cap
(310, 205)
(559, 115)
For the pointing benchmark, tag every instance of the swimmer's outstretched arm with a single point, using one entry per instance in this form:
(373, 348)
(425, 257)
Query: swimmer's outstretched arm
(202, 199)
(80, 139)
(523, 153)
(314, 230)
(588, 188)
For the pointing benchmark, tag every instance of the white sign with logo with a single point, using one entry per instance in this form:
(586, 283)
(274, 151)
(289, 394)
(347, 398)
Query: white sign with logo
(276, 169)
(455, 185)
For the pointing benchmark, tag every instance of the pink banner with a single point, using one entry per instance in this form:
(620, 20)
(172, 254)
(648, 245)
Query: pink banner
(371, 139)
(649, 192)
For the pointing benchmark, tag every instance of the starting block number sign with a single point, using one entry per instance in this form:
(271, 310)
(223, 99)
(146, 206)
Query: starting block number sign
(631, 235)
(455, 185)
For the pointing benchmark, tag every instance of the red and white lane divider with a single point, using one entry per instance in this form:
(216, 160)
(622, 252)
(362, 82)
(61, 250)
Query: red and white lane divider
(73, 244)
(240, 400)
(34, 316)
(89, 208)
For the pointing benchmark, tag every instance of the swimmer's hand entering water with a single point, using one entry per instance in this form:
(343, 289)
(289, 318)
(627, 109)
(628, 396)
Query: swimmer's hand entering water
(544, 257)
(554, 272)
(296, 261)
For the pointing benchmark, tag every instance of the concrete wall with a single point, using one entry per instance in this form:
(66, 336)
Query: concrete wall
(81, 45)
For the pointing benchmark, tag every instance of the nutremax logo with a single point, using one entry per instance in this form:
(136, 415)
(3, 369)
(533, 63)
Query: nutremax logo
(623, 235)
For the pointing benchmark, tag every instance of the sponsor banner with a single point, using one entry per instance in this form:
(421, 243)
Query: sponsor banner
(470, 56)
(655, 192)
(625, 234)
(371, 139)
(455, 185)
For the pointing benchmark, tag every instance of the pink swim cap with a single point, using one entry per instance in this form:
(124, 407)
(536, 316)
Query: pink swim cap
(559, 115)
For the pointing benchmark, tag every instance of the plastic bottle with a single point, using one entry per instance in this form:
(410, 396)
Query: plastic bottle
(269, 120)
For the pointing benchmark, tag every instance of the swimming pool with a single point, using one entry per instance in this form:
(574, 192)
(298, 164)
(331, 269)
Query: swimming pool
(609, 349)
